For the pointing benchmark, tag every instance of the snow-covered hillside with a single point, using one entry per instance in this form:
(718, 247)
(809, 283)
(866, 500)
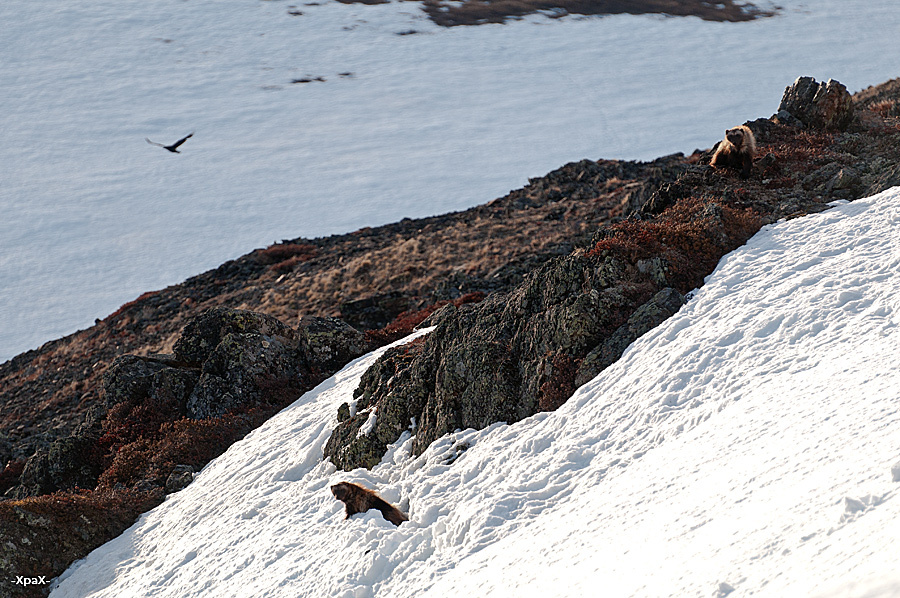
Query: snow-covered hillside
(402, 126)
(744, 447)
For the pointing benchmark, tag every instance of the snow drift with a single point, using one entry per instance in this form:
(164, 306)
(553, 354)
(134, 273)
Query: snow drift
(743, 447)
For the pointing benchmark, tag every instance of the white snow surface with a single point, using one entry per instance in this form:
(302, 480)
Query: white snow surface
(93, 216)
(743, 446)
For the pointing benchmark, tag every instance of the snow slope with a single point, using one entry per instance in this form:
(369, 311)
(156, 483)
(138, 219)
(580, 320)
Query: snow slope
(441, 120)
(744, 447)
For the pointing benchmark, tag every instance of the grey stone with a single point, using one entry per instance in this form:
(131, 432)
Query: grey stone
(648, 316)
(245, 370)
(826, 105)
(783, 117)
(179, 479)
(329, 343)
(203, 334)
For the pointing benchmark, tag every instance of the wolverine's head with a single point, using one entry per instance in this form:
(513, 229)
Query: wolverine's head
(735, 136)
(341, 491)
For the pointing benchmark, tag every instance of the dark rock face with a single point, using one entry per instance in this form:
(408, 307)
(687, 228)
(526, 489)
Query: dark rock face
(498, 360)
(180, 478)
(818, 105)
(70, 462)
(226, 360)
(242, 370)
(648, 316)
(204, 333)
(374, 312)
(330, 343)
(132, 379)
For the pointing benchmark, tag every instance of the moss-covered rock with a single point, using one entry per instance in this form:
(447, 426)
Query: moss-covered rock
(203, 334)
(245, 370)
(648, 316)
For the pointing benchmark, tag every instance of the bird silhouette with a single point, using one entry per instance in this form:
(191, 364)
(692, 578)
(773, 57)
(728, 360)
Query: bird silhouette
(172, 148)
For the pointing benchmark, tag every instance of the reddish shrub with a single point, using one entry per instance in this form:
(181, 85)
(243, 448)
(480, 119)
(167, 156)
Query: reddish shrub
(287, 265)
(690, 236)
(560, 385)
(280, 253)
(48, 532)
(9, 475)
(182, 442)
(407, 321)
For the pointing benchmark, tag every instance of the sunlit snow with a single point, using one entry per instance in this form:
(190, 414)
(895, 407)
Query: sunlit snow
(744, 447)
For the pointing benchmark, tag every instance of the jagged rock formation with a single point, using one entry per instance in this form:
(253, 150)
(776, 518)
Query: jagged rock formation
(516, 354)
(818, 105)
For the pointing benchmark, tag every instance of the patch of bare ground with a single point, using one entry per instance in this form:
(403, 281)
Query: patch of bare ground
(453, 13)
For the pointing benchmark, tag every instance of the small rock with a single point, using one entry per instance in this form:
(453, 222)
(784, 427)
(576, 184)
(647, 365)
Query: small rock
(895, 472)
(783, 117)
(179, 479)
(374, 312)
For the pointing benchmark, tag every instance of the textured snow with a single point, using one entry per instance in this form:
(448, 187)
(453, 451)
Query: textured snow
(442, 120)
(744, 447)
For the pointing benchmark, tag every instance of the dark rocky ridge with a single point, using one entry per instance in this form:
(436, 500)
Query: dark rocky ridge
(570, 282)
(479, 12)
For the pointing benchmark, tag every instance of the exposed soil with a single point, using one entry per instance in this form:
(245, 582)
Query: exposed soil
(452, 13)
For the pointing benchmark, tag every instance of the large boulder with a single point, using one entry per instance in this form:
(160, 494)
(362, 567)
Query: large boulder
(825, 105)
(70, 462)
(132, 380)
(245, 370)
(204, 333)
(330, 343)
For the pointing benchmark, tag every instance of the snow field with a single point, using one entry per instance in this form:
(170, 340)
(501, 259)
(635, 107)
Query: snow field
(742, 447)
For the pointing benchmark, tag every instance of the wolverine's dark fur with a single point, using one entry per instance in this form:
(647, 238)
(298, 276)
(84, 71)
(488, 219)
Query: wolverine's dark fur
(357, 499)
(737, 150)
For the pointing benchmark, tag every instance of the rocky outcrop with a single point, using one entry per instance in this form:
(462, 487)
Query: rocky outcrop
(225, 361)
(514, 354)
(70, 462)
(825, 105)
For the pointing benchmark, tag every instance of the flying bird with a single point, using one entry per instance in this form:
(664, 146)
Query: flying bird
(172, 148)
